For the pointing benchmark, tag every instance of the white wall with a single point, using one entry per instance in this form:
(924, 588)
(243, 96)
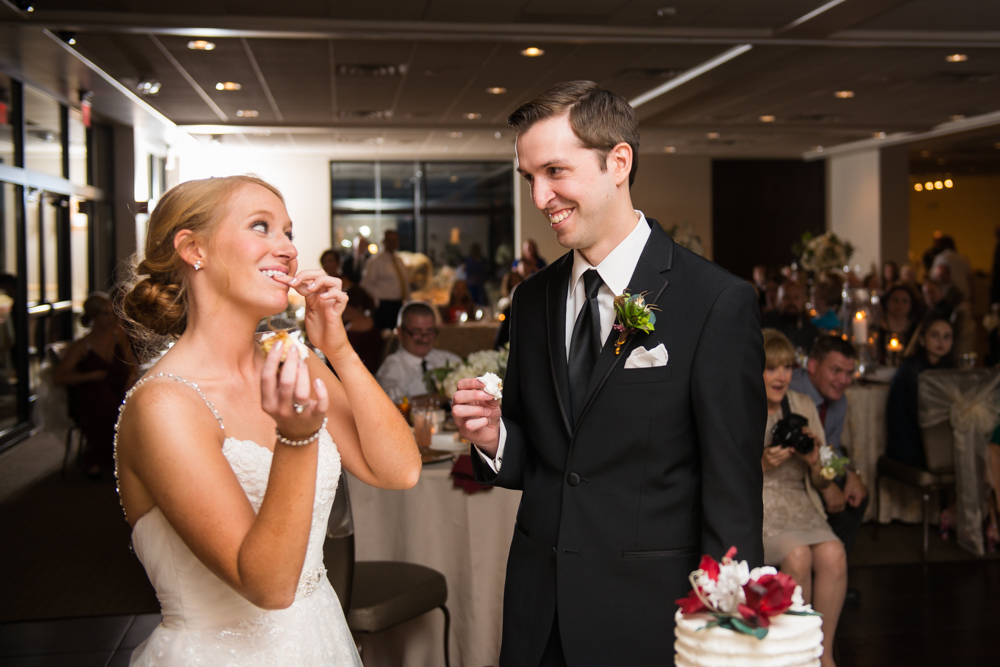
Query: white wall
(303, 180)
(853, 204)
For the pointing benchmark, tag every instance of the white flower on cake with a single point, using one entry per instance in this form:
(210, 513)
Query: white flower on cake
(726, 592)
(493, 385)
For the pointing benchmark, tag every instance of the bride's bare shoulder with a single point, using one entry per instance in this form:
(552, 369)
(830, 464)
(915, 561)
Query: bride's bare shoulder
(166, 406)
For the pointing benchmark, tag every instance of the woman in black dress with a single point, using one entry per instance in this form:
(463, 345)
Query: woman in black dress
(97, 369)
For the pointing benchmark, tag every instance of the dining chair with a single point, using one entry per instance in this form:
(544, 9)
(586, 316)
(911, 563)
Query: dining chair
(54, 353)
(378, 595)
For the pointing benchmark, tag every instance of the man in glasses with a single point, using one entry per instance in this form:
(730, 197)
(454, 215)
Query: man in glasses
(402, 372)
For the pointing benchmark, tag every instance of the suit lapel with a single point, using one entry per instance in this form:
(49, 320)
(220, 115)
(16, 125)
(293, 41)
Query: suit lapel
(555, 314)
(649, 277)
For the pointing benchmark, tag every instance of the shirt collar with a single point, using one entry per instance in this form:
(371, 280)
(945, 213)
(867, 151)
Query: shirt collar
(617, 268)
(410, 358)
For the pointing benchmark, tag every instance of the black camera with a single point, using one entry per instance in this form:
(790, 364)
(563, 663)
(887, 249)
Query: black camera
(788, 433)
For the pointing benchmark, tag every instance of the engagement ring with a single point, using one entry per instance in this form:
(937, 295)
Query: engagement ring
(299, 409)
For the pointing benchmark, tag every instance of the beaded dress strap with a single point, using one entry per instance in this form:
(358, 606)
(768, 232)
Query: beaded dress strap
(175, 378)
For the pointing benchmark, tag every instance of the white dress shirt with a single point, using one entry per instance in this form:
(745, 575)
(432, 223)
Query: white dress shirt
(380, 278)
(403, 372)
(615, 270)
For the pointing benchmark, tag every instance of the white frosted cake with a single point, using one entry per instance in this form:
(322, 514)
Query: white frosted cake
(791, 641)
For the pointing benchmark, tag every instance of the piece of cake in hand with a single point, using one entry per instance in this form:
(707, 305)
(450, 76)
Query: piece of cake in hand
(493, 385)
(737, 617)
(269, 339)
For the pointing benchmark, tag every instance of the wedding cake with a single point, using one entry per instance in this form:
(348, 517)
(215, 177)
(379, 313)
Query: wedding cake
(737, 617)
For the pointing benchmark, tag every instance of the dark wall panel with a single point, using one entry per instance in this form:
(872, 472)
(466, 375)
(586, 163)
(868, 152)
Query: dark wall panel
(760, 208)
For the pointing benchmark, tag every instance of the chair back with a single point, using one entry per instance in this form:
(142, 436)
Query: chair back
(939, 447)
(338, 550)
(950, 400)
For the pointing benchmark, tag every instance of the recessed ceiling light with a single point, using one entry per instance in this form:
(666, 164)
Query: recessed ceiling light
(928, 185)
(473, 115)
(498, 135)
(227, 85)
(818, 149)
(201, 45)
(957, 58)
(496, 90)
(247, 113)
(918, 187)
(664, 12)
(713, 135)
(938, 185)
(455, 135)
(957, 117)
(453, 178)
(148, 87)
(844, 94)
(948, 183)
(878, 135)
(532, 52)
(767, 119)
(669, 149)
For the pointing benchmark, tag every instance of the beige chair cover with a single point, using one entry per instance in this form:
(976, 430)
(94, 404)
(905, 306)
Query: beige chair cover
(970, 400)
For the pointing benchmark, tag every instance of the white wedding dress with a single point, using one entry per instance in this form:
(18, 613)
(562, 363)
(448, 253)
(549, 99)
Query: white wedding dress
(205, 622)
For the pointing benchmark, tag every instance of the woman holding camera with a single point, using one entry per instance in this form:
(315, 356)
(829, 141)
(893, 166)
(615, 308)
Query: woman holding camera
(796, 535)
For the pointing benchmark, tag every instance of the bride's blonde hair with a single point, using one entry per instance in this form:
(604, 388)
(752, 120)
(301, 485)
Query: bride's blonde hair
(155, 299)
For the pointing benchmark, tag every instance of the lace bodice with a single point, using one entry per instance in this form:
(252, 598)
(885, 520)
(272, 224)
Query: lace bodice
(205, 622)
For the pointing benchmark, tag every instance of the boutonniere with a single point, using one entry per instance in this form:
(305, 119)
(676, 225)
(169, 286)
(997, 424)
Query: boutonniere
(632, 314)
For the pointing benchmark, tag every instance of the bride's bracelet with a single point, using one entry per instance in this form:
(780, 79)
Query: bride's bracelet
(298, 443)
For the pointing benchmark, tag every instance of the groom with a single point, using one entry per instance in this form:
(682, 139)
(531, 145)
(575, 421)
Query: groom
(628, 473)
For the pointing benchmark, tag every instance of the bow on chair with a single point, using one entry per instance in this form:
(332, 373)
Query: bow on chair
(971, 402)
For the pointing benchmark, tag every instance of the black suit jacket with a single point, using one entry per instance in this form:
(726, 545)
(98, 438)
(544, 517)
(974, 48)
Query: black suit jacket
(662, 465)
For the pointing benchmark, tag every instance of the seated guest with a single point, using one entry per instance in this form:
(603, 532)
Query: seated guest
(932, 348)
(364, 336)
(461, 301)
(796, 535)
(826, 377)
(330, 261)
(97, 369)
(899, 320)
(530, 260)
(890, 276)
(791, 318)
(908, 276)
(402, 372)
(825, 297)
(941, 296)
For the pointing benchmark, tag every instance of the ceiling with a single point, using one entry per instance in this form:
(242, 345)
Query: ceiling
(410, 77)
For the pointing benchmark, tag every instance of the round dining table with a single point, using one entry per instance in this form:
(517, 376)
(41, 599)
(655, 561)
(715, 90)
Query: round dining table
(465, 537)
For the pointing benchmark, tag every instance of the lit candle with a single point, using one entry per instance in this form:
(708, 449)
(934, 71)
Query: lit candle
(894, 345)
(860, 328)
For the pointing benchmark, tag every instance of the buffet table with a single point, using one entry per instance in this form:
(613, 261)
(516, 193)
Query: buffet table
(466, 538)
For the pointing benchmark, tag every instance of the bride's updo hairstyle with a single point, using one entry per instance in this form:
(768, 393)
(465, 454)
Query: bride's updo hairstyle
(157, 303)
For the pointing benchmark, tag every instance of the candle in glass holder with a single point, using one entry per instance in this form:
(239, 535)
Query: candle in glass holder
(860, 328)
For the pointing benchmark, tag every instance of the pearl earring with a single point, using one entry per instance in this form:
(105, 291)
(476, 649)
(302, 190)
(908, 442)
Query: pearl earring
(197, 265)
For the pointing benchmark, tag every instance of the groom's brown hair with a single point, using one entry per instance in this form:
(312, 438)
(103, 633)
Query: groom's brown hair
(601, 119)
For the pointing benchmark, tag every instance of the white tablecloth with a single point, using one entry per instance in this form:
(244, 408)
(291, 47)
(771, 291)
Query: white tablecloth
(864, 439)
(465, 537)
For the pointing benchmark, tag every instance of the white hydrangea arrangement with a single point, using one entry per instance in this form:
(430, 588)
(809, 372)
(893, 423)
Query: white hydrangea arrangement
(445, 380)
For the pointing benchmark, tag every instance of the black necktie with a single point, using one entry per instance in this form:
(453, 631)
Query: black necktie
(423, 365)
(585, 345)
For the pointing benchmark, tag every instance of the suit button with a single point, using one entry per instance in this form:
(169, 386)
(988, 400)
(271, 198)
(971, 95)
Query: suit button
(573, 479)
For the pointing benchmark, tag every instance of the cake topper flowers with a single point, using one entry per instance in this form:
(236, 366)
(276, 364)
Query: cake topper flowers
(632, 314)
(741, 599)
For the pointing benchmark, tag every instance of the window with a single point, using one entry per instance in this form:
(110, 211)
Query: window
(43, 133)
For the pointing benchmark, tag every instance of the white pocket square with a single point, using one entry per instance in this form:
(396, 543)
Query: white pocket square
(643, 358)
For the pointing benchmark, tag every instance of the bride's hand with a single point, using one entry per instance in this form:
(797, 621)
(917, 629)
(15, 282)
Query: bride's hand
(285, 387)
(325, 303)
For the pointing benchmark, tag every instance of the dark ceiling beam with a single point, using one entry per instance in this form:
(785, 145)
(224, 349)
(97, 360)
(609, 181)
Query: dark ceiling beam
(190, 79)
(845, 14)
(279, 28)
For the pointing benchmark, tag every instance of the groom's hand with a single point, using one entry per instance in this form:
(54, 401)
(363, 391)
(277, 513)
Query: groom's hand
(477, 415)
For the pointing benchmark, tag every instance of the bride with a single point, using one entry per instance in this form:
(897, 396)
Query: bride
(225, 457)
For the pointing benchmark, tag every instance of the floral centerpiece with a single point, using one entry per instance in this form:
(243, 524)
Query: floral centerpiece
(823, 253)
(444, 380)
(741, 599)
(683, 234)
